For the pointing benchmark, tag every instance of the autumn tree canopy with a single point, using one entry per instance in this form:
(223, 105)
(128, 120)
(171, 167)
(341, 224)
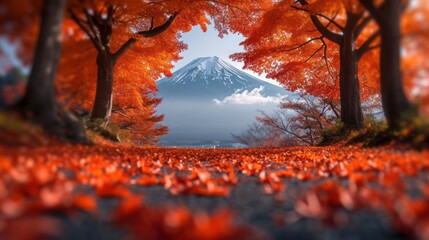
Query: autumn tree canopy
(115, 50)
(143, 39)
(316, 47)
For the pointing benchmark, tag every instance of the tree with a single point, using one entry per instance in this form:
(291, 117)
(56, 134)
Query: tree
(40, 100)
(139, 127)
(333, 32)
(388, 15)
(303, 119)
(134, 64)
(299, 121)
(97, 21)
(350, 54)
(133, 19)
(142, 63)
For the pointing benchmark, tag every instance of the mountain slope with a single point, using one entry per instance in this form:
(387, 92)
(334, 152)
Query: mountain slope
(209, 78)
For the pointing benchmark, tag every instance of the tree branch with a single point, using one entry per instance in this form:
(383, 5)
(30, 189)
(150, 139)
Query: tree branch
(366, 46)
(280, 125)
(334, 108)
(123, 48)
(334, 37)
(81, 23)
(91, 24)
(298, 46)
(325, 56)
(312, 55)
(372, 9)
(362, 26)
(304, 2)
(160, 29)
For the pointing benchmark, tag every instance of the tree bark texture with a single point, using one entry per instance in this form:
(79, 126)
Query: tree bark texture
(40, 99)
(395, 103)
(102, 108)
(393, 98)
(351, 109)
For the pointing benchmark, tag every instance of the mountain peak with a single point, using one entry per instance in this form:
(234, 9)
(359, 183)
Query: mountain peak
(205, 63)
(211, 59)
(215, 58)
(211, 77)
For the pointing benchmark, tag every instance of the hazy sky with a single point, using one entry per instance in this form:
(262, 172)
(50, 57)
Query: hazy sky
(208, 44)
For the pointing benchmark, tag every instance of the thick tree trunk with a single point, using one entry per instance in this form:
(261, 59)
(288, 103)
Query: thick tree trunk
(395, 103)
(102, 108)
(40, 99)
(40, 90)
(351, 109)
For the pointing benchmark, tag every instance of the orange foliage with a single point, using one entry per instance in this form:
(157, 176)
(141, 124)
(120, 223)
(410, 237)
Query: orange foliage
(145, 62)
(137, 70)
(286, 45)
(415, 62)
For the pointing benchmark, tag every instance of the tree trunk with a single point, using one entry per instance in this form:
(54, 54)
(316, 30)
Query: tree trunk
(351, 109)
(40, 99)
(102, 108)
(394, 101)
(40, 90)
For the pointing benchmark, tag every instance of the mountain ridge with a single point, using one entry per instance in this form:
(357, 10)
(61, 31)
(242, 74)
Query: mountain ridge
(210, 78)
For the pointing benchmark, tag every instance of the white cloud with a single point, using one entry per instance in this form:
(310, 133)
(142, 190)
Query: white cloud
(246, 97)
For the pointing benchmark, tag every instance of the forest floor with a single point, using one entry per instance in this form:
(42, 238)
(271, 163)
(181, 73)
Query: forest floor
(61, 191)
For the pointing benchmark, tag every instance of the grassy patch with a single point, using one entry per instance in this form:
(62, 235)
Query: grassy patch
(334, 134)
(16, 131)
(413, 133)
(99, 132)
(341, 134)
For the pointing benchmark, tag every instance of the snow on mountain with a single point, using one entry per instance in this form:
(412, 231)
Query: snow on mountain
(212, 78)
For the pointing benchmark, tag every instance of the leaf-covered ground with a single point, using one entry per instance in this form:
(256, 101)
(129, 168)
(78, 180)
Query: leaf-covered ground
(106, 192)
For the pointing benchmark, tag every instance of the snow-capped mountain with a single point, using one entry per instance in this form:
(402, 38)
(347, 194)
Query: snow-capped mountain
(210, 78)
(208, 99)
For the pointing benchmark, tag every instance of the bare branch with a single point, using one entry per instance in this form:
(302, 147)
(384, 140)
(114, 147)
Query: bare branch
(312, 55)
(300, 45)
(81, 23)
(325, 56)
(91, 24)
